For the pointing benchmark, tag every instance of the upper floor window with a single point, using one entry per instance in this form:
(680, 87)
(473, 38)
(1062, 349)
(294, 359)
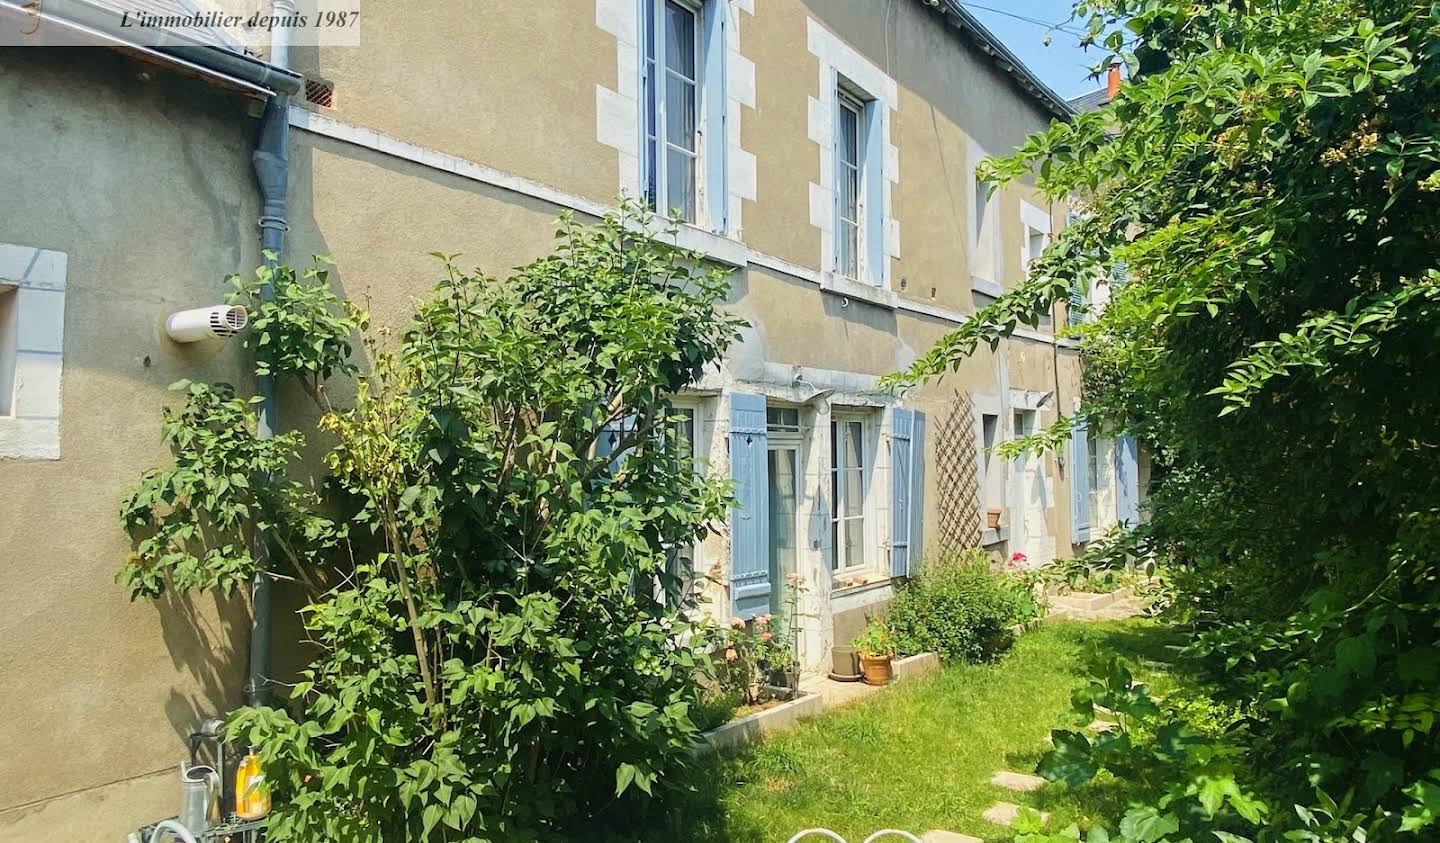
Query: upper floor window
(984, 263)
(671, 39)
(849, 120)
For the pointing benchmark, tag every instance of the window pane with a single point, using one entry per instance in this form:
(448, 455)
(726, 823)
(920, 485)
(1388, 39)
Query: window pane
(847, 142)
(680, 39)
(685, 432)
(680, 113)
(854, 492)
(846, 261)
(783, 497)
(680, 183)
(650, 104)
(854, 542)
(854, 450)
(783, 419)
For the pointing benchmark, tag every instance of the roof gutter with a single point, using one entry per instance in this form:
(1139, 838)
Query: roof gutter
(79, 23)
(276, 80)
(964, 20)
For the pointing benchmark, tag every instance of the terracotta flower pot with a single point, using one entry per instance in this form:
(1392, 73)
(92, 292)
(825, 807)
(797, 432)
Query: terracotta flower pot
(992, 519)
(876, 669)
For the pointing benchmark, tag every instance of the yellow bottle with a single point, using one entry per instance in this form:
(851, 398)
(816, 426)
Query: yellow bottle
(252, 792)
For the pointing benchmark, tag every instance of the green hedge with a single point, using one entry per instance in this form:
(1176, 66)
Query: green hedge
(960, 608)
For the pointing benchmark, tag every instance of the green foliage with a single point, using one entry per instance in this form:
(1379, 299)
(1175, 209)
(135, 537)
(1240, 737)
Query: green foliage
(1268, 177)
(302, 328)
(960, 608)
(875, 641)
(1200, 794)
(504, 648)
(195, 525)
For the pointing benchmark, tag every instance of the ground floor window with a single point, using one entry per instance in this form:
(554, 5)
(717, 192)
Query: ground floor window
(847, 494)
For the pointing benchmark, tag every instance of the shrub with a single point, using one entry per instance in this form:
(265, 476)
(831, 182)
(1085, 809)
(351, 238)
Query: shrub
(960, 608)
(502, 650)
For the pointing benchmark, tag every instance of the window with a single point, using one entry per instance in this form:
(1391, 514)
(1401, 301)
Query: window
(681, 564)
(847, 494)
(671, 33)
(984, 263)
(992, 468)
(781, 420)
(9, 331)
(849, 113)
(32, 334)
(1035, 223)
(1100, 471)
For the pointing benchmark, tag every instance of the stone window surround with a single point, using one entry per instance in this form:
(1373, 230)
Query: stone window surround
(617, 111)
(838, 61)
(32, 429)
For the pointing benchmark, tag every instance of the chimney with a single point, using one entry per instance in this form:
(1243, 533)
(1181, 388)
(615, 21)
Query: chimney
(1112, 83)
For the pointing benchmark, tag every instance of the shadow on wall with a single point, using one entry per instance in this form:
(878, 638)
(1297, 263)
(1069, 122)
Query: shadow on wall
(211, 648)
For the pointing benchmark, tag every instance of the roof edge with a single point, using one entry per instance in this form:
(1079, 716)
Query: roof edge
(967, 23)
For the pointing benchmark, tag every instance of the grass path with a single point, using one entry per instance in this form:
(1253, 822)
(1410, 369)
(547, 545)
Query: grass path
(921, 755)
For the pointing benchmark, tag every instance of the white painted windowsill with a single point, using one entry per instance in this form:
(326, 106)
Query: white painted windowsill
(840, 285)
(986, 287)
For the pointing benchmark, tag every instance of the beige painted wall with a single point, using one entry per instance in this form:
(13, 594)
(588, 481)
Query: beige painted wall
(147, 189)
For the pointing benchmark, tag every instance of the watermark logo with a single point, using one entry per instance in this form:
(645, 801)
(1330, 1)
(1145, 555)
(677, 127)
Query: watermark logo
(233, 24)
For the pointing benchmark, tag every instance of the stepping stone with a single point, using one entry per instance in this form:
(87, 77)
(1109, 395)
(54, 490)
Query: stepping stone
(1022, 782)
(938, 836)
(1004, 813)
(1101, 726)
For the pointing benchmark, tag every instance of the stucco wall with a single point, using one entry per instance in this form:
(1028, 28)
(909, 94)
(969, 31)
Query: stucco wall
(146, 188)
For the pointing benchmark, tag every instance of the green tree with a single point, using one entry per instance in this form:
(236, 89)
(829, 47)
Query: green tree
(1268, 178)
(501, 652)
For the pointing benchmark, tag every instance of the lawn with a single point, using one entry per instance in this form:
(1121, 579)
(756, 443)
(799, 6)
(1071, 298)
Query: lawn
(920, 756)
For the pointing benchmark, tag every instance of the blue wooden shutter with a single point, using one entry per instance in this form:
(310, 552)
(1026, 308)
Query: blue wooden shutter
(714, 98)
(872, 172)
(1079, 484)
(750, 518)
(917, 494)
(902, 473)
(1127, 482)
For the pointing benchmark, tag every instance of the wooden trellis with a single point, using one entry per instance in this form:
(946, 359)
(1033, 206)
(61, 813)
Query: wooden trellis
(957, 483)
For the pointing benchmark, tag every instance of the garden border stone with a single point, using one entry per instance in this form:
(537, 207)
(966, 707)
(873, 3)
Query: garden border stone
(750, 728)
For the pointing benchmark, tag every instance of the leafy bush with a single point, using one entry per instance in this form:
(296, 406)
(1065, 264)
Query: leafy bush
(504, 651)
(960, 608)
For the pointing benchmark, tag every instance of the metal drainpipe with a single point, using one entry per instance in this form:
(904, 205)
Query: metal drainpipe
(271, 161)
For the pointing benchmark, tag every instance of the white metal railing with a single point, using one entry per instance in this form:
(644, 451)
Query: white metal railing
(825, 832)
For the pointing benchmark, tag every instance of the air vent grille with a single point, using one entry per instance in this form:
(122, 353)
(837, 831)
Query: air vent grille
(320, 93)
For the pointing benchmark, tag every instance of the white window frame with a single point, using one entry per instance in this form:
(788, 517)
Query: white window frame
(653, 100)
(842, 69)
(986, 263)
(988, 465)
(839, 565)
(700, 424)
(31, 351)
(849, 102)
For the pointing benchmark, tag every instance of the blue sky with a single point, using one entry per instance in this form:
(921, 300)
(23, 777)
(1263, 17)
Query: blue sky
(1062, 65)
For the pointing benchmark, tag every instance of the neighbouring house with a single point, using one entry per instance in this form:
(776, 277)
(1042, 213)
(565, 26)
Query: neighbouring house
(823, 149)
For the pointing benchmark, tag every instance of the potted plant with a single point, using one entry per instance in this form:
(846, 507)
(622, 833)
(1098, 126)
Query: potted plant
(876, 649)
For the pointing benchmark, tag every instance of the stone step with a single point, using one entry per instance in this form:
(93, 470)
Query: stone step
(1022, 782)
(1004, 813)
(938, 836)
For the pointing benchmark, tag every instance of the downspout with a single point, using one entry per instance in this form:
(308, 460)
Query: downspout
(271, 161)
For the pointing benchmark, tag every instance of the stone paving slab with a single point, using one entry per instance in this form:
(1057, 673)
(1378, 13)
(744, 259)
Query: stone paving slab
(1022, 782)
(1101, 726)
(1004, 813)
(938, 836)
